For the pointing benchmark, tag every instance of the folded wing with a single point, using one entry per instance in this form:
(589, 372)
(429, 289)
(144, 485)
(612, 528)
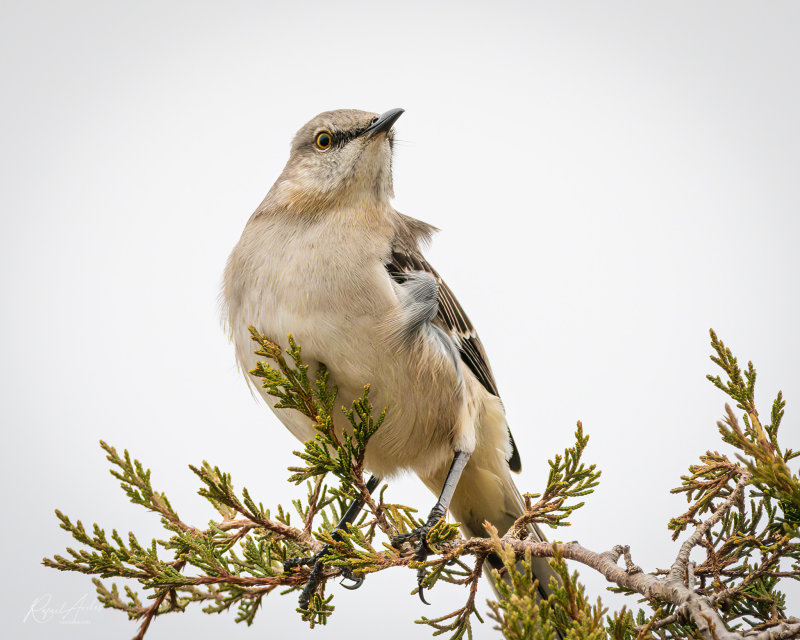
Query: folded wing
(406, 259)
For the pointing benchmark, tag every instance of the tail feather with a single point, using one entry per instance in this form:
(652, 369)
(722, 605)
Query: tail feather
(489, 494)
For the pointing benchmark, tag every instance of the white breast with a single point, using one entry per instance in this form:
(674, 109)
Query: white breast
(311, 280)
(327, 286)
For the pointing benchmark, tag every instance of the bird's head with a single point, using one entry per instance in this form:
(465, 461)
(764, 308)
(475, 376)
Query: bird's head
(339, 158)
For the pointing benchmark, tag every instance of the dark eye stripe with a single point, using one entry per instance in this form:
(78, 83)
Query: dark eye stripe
(340, 138)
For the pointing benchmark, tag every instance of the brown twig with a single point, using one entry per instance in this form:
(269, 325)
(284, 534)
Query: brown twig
(312, 506)
(152, 611)
(375, 508)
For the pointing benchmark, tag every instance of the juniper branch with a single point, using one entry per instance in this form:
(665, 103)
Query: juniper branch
(742, 513)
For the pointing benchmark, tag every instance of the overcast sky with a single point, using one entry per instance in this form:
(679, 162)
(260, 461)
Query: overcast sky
(611, 180)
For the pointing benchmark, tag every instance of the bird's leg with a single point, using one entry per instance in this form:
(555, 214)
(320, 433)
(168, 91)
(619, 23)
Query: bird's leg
(316, 559)
(421, 550)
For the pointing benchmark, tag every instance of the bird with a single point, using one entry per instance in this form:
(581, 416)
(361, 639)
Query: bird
(326, 258)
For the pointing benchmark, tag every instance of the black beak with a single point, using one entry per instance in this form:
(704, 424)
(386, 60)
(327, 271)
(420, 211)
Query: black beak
(383, 122)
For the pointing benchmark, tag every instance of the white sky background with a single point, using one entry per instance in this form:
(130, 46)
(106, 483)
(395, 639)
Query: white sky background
(610, 179)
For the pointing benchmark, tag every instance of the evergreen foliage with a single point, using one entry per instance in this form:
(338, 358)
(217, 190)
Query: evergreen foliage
(743, 517)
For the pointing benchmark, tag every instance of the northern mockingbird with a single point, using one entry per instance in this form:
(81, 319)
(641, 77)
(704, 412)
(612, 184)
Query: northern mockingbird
(326, 258)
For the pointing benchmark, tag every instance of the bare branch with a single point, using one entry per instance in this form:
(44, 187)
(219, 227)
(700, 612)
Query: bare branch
(679, 566)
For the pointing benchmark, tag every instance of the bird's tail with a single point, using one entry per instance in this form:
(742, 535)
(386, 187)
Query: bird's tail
(486, 492)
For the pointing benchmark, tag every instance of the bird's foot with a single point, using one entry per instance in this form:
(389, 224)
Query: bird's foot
(315, 576)
(421, 548)
(306, 561)
(355, 581)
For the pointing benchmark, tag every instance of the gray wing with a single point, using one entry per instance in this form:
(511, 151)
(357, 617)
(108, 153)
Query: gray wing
(406, 259)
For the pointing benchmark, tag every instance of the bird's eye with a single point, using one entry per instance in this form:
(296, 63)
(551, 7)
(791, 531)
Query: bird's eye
(324, 140)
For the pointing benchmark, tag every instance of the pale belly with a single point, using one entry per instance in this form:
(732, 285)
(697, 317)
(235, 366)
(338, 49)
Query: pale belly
(339, 322)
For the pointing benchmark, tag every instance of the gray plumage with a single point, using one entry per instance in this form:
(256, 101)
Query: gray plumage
(326, 258)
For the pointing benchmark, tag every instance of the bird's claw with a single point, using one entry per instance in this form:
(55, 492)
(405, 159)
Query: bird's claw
(291, 563)
(317, 566)
(311, 585)
(420, 533)
(420, 555)
(347, 574)
(421, 552)
(399, 540)
(314, 577)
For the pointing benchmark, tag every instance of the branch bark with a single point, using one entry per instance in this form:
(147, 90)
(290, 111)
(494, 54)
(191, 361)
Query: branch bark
(691, 607)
